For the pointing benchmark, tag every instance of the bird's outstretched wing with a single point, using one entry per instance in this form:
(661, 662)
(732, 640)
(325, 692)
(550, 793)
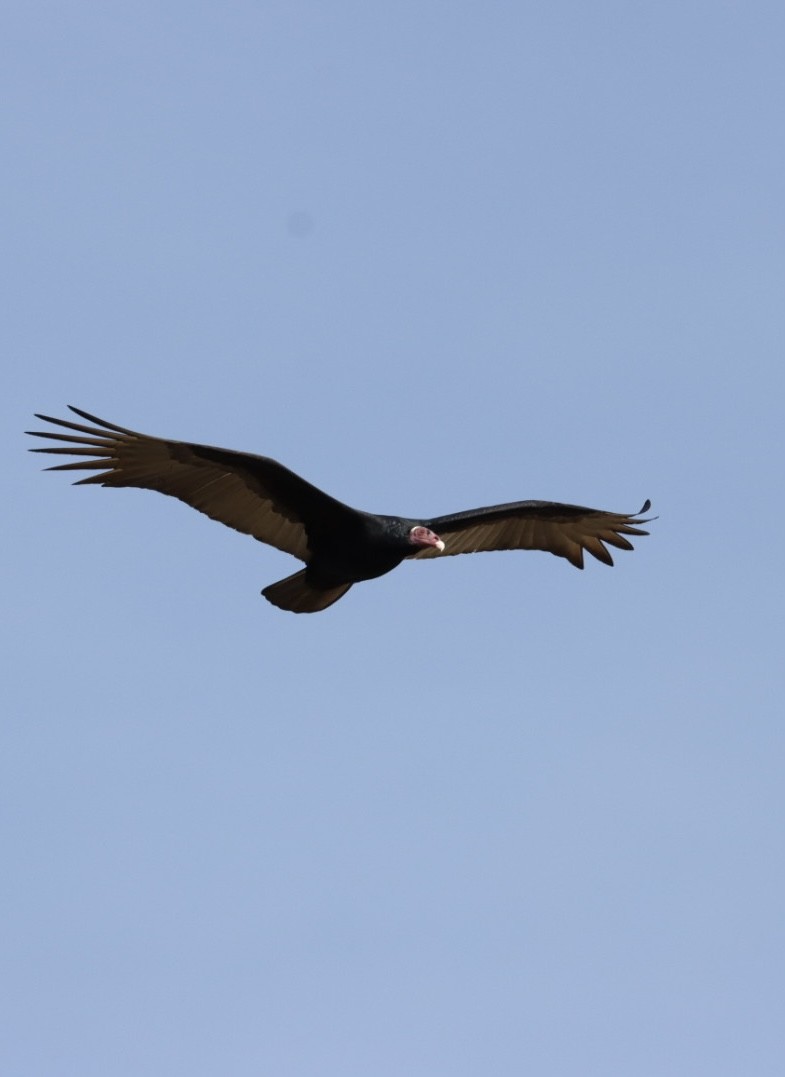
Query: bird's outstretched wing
(252, 494)
(564, 530)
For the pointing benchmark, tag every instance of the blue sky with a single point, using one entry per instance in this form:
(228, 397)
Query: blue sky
(488, 815)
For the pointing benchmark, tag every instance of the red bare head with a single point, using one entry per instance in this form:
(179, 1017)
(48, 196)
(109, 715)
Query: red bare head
(423, 536)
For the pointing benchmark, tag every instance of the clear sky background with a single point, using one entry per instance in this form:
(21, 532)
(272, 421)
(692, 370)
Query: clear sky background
(484, 816)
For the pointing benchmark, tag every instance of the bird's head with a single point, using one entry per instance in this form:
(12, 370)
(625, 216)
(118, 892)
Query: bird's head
(424, 537)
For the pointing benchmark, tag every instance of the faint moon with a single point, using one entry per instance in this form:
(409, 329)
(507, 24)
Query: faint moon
(299, 223)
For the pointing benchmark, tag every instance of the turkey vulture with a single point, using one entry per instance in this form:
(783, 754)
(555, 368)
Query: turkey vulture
(339, 545)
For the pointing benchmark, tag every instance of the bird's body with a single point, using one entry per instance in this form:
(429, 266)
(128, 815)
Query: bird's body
(339, 545)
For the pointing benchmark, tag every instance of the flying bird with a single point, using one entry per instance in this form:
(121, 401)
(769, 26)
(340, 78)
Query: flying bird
(339, 545)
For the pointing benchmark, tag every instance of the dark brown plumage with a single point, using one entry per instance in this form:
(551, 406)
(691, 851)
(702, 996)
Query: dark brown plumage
(339, 545)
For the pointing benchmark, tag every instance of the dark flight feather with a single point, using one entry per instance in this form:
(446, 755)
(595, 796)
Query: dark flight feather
(564, 530)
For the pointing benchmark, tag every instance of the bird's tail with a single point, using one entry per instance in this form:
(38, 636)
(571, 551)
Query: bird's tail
(296, 594)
